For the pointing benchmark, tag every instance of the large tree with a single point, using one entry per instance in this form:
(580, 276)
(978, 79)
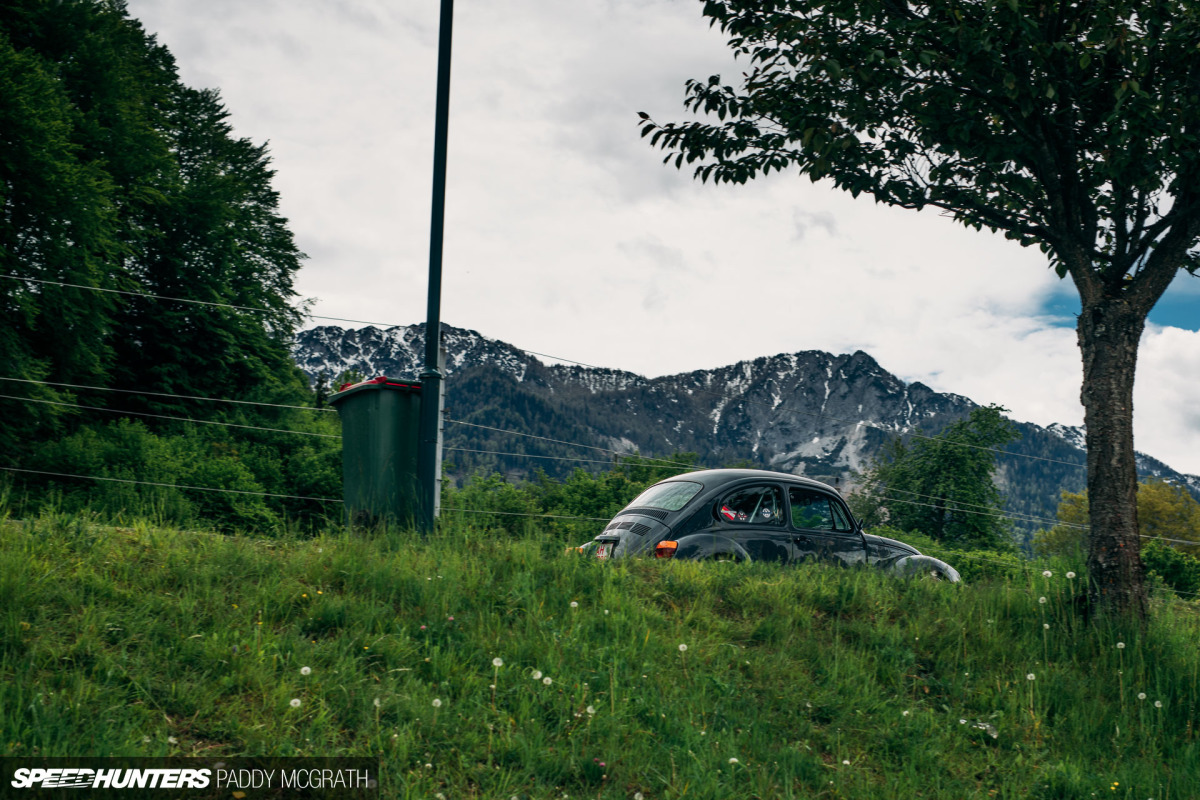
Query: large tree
(117, 177)
(1072, 126)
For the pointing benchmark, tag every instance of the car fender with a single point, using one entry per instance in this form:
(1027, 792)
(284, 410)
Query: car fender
(703, 546)
(924, 566)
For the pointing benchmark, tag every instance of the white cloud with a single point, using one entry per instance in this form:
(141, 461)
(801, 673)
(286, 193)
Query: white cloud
(566, 234)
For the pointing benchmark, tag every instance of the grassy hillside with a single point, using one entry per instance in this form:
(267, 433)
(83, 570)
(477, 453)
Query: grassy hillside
(481, 666)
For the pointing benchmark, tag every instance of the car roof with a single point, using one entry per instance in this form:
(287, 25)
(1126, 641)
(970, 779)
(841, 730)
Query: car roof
(717, 477)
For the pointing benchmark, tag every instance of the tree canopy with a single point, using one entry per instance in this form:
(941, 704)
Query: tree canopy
(144, 268)
(943, 486)
(1069, 125)
(1167, 512)
(119, 182)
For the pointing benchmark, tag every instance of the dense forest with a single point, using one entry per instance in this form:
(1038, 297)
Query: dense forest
(146, 280)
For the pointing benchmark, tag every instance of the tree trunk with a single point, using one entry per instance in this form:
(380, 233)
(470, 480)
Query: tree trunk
(1109, 331)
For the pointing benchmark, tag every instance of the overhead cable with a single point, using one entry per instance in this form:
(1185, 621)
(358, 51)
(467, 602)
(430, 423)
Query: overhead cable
(743, 399)
(164, 394)
(573, 444)
(168, 485)
(164, 416)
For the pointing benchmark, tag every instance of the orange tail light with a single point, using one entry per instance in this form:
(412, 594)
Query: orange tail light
(665, 549)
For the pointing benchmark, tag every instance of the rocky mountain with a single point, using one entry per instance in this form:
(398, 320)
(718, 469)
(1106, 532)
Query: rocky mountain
(811, 413)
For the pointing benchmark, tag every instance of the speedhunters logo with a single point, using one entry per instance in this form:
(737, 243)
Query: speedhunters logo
(83, 778)
(189, 778)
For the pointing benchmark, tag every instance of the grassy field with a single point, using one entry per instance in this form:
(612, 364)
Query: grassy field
(480, 666)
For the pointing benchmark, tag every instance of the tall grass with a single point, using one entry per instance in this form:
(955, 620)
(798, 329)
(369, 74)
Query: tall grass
(478, 666)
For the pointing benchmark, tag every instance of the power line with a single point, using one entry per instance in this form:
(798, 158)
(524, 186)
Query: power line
(968, 511)
(527, 455)
(1029, 518)
(195, 302)
(742, 399)
(965, 508)
(523, 514)
(573, 444)
(164, 416)
(165, 394)
(167, 485)
(150, 296)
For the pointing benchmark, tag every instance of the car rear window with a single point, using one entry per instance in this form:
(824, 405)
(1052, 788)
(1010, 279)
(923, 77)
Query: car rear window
(670, 496)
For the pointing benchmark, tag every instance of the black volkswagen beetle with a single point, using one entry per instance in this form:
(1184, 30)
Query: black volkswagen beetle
(753, 515)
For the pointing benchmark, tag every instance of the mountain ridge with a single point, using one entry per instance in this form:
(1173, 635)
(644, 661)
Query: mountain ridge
(810, 412)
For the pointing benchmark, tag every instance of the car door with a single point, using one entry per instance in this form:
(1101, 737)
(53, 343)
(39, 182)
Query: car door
(755, 517)
(822, 528)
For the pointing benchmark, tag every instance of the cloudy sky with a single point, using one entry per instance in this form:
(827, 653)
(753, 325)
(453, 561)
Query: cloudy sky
(566, 235)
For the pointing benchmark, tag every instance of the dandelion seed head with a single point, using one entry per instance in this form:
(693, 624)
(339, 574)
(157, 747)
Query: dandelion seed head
(1120, 645)
(295, 702)
(1047, 574)
(547, 680)
(537, 674)
(437, 702)
(172, 740)
(1030, 677)
(733, 761)
(1046, 625)
(1070, 575)
(378, 702)
(683, 648)
(1141, 695)
(591, 709)
(1158, 703)
(1042, 600)
(306, 670)
(497, 662)
(846, 762)
(574, 604)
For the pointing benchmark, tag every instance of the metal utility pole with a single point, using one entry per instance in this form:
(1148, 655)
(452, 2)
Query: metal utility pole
(429, 456)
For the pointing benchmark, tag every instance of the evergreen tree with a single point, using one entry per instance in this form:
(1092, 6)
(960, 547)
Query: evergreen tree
(943, 486)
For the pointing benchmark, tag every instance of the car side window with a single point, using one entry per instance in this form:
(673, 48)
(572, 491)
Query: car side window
(816, 511)
(758, 505)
